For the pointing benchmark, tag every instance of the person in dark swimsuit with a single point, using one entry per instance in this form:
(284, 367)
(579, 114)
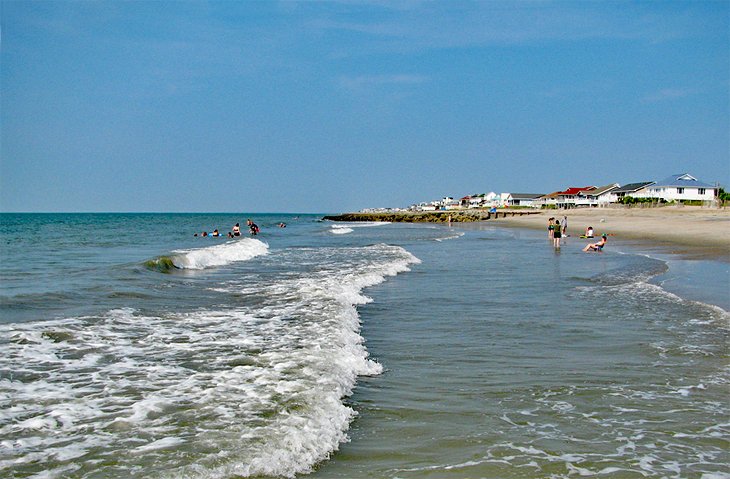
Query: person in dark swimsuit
(253, 227)
(557, 234)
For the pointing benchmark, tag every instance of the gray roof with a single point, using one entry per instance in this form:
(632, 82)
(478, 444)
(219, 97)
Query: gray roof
(526, 196)
(685, 180)
(600, 190)
(633, 187)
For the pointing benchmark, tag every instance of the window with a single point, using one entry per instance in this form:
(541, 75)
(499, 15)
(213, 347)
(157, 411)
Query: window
(680, 191)
(701, 191)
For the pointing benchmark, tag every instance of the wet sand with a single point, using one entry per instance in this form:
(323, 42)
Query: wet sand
(695, 232)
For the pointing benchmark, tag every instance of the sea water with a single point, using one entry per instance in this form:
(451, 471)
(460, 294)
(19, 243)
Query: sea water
(131, 348)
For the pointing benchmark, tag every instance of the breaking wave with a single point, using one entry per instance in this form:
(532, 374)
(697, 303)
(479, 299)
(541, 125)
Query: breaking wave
(219, 255)
(256, 389)
(341, 230)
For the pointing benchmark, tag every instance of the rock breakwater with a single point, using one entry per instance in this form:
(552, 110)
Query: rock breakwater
(466, 216)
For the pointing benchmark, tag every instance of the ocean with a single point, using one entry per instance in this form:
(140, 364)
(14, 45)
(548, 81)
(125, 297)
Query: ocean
(131, 348)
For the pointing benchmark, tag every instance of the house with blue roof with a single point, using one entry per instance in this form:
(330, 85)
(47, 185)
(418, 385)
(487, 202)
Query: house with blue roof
(683, 187)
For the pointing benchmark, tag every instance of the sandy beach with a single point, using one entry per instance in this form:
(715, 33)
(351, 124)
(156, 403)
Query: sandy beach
(690, 231)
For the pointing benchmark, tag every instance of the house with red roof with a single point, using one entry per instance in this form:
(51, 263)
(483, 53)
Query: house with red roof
(564, 199)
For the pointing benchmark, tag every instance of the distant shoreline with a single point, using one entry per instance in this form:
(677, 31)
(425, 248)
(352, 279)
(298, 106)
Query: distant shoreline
(693, 232)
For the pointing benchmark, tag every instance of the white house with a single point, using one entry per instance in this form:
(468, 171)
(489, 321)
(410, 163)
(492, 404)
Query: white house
(684, 187)
(472, 201)
(449, 203)
(600, 196)
(628, 190)
(521, 199)
(562, 199)
(423, 206)
(504, 199)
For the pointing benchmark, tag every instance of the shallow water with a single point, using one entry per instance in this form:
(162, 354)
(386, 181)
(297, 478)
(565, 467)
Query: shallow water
(357, 350)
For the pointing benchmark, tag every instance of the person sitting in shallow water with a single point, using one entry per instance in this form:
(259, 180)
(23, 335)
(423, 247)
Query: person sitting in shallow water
(597, 246)
(589, 232)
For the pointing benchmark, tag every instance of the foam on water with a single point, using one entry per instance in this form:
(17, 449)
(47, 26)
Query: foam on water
(450, 237)
(643, 395)
(246, 391)
(363, 224)
(219, 255)
(346, 228)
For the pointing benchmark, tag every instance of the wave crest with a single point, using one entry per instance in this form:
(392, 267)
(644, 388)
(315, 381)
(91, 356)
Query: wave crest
(219, 255)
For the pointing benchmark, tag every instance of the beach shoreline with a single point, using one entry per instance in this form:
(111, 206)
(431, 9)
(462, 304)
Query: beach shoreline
(692, 232)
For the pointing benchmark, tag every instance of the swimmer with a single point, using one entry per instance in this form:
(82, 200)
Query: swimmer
(253, 227)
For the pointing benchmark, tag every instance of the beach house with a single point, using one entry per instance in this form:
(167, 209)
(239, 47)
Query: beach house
(521, 199)
(562, 199)
(682, 187)
(448, 203)
(472, 201)
(617, 195)
(600, 196)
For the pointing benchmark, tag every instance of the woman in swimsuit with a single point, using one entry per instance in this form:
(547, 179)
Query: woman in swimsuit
(556, 234)
(597, 246)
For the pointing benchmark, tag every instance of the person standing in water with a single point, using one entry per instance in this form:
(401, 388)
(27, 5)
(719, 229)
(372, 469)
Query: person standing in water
(236, 230)
(556, 234)
(253, 227)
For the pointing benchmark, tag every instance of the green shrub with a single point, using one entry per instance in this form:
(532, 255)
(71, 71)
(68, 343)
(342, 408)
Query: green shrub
(630, 200)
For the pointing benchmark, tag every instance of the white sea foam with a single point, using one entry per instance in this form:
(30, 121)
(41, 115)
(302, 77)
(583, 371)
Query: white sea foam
(164, 443)
(248, 391)
(219, 255)
(340, 230)
(450, 237)
(361, 224)
(346, 228)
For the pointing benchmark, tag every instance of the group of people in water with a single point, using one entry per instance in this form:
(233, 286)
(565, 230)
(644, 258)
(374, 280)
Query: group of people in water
(558, 230)
(253, 229)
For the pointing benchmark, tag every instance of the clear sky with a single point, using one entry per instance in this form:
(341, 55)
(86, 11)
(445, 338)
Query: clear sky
(336, 106)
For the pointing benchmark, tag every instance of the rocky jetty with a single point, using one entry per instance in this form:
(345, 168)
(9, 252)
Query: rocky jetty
(457, 216)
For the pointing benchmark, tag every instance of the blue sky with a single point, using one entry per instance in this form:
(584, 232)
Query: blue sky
(337, 106)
